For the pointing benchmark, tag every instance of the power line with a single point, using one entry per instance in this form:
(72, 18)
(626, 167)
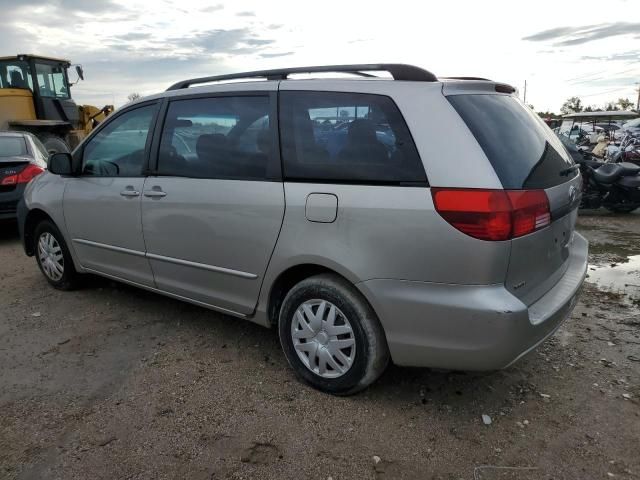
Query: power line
(603, 93)
(585, 76)
(611, 73)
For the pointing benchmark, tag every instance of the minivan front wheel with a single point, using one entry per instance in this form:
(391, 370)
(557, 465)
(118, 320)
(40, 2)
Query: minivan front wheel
(331, 336)
(53, 256)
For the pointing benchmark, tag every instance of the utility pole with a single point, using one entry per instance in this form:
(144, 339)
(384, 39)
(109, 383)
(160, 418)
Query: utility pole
(524, 100)
(638, 103)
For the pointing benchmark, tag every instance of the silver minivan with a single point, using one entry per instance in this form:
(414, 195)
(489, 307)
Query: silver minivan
(385, 215)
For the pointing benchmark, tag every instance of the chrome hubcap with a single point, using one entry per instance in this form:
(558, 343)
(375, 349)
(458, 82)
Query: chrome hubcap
(50, 255)
(323, 338)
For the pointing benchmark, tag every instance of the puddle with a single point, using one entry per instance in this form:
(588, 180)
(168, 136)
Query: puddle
(622, 278)
(620, 250)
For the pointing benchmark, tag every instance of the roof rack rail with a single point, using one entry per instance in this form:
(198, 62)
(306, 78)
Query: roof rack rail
(469, 78)
(397, 70)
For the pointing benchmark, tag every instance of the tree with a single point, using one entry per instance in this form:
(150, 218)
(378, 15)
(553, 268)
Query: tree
(590, 108)
(625, 104)
(611, 106)
(132, 97)
(572, 105)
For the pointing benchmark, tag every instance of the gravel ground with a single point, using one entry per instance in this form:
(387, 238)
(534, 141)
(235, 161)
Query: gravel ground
(114, 382)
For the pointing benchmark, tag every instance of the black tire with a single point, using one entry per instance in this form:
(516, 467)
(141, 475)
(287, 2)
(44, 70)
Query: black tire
(621, 208)
(54, 143)
(371, 351)
(69, 277)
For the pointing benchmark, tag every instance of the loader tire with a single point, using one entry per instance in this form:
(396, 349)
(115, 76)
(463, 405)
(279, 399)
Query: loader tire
(54, 143)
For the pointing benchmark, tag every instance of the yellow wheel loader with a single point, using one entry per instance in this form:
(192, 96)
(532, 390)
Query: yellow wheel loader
(35, 97)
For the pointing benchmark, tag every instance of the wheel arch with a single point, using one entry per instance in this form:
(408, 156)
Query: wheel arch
(33, 218)
(292, 275)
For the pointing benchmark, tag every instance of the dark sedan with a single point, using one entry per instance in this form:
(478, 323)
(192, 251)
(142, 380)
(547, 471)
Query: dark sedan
(22, 157)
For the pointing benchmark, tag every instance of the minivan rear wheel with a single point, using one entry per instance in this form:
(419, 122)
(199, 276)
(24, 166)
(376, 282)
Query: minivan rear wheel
(331, 336)
(53, 257)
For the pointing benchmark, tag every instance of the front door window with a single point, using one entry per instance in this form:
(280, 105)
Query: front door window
(118, 149)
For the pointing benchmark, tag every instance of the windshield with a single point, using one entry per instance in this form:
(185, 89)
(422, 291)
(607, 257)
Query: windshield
(632, 123)
(15, 74)
(12, 146)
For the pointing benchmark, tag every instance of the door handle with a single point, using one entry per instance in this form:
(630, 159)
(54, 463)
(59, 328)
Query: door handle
(154, 194)
(129, 192)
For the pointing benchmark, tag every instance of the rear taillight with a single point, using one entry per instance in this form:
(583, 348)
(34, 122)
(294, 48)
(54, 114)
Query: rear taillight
(11, 180)
(31, 171)
(493, 214)
(25, 176)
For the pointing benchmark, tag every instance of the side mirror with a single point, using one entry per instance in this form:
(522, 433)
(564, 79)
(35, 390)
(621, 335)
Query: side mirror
(60, 164)
(80, 72)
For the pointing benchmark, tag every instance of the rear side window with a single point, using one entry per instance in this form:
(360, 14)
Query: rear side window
(218, 137)
(346, 137)
(523, 151)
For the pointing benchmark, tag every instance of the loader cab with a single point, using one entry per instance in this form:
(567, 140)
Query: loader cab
(46, 80)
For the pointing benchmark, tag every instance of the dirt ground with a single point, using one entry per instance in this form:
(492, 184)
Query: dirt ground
(114, 382)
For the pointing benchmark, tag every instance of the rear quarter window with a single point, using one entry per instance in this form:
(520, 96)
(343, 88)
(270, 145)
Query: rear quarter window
(347, 138)
(523, 151)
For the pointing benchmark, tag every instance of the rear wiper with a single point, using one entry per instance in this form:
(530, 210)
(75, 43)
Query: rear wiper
(567, 171)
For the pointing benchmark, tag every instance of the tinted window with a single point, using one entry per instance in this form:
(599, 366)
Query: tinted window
(118, 149)
(12, 146)
(221, 137)
(348, 137)
(523, 151)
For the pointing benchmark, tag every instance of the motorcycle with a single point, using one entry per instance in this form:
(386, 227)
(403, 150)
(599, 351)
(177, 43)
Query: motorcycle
(614, 186)
(628, 151)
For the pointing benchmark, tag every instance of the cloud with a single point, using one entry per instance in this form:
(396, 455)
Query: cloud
(630, 56)
(258, 41)
(568, 36)
(212, 8)
(275, 55)
(219, 41)
(553, 33)
(96, 6)
(65, 14)
(246, 14)
(132, 36)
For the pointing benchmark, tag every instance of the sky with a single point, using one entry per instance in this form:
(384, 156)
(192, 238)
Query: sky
(589, 49)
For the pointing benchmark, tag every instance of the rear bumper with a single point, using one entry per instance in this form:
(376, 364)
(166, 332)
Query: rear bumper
(9, 202)
(21, 214)
(471, 327)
